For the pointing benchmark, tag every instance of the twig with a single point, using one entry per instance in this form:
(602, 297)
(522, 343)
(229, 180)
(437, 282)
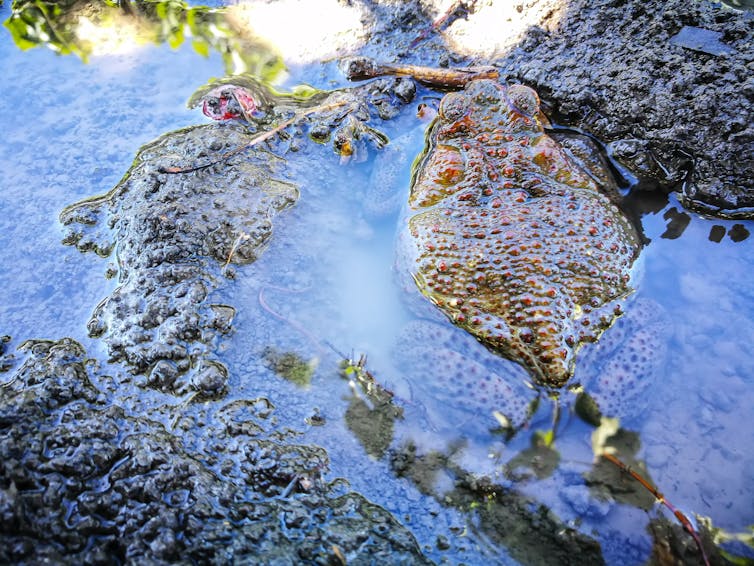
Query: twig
(661, 499)
(242, 238)
(362, 68)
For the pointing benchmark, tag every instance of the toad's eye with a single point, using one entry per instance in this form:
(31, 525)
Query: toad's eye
(523, 99)
(453, 106)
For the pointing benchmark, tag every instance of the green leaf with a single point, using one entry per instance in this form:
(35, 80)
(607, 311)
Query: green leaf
(19, 31)
(175, 39)
(201, 47)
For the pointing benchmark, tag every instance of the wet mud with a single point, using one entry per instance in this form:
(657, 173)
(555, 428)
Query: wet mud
(174, 234)
(219, 484)
(84, 481)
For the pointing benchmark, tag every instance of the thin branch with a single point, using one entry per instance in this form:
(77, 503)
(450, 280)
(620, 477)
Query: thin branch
(661, 499)
(254, 141)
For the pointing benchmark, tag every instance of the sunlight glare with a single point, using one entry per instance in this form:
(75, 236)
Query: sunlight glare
(121, 36)
(302, 30)
(498, 27)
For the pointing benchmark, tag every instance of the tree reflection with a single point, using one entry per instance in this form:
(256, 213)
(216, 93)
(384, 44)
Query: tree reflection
(498, 507)
(526, 528)
(371, 412)
(89, 29)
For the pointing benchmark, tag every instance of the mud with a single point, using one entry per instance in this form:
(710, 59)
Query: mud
(94, 468)
(161, 320)
(84, 481)
(182, 484)
(196, 204)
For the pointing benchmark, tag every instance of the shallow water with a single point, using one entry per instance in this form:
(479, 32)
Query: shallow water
(326, 285)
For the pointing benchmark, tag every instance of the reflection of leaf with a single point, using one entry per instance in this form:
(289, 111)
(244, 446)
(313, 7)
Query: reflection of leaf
(606, 480)
(201, 47)
(88, 28)
(587, 409)
(19, 31)
(720, 536)
(670, 544)
(176, 38)
(38, 21)
(370, 418)
(372, 424)
(540, 458)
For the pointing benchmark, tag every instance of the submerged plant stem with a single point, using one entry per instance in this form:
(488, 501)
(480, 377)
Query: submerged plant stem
(661, 499)
(263, 303)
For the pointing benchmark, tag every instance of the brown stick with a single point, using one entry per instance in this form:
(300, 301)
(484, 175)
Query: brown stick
(661, 499)
(362, 68)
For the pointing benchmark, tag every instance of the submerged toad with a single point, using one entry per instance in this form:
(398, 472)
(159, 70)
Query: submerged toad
(509, 237)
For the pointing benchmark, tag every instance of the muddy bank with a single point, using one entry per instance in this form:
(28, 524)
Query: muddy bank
(202, 478)
(173, 234)
(84, 481)
(196, 205)
(668, 87)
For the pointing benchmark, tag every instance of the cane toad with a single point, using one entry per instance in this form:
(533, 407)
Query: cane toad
(509, 237)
